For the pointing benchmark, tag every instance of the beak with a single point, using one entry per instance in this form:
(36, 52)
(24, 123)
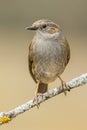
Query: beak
(31, 28)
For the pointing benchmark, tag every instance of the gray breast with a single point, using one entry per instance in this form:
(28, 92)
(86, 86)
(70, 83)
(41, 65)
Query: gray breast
(48, 60)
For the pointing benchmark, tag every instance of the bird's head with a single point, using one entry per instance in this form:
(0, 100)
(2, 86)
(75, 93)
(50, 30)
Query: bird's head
(45, 26)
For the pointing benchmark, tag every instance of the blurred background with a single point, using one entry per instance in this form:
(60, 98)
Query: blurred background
(16, 84)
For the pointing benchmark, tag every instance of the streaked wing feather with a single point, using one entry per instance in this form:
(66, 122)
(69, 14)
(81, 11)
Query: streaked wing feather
(30, 61)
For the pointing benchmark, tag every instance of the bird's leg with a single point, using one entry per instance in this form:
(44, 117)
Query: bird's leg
(36, 94)
(64, 86)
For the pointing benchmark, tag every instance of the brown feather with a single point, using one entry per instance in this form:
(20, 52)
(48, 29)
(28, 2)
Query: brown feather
(30, 61)
(42, 88)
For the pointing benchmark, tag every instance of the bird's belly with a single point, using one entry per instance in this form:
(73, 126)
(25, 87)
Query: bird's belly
(47, 70)
(48, 62)
(46, 76)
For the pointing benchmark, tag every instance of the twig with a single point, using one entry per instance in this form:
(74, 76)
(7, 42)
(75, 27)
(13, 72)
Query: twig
(7, 116)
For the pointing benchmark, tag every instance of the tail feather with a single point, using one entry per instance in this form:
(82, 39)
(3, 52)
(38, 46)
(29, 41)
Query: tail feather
(42, 88)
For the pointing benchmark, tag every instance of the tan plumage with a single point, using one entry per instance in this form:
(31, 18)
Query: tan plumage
(49, 53)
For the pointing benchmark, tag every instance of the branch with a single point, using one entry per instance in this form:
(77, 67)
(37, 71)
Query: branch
(8, 116)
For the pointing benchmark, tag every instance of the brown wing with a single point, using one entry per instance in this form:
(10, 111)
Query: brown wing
(65, 42)
(42, 88)
(68, 52)
(30, 61)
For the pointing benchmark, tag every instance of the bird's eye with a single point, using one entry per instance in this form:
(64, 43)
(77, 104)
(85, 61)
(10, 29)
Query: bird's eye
(44, 26)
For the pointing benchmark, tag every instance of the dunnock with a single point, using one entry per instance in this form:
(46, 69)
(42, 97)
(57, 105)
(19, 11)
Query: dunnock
(49, 53)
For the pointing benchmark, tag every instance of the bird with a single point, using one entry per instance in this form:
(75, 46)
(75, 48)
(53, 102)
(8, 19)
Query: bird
(49, 54)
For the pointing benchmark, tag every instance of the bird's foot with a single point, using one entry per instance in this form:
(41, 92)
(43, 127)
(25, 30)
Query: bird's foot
(65, 87)
(35, 99)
